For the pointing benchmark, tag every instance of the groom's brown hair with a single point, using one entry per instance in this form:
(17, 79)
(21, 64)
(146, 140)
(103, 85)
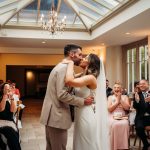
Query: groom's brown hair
(71, 47)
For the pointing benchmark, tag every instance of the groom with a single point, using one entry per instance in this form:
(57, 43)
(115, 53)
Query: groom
(55, 113)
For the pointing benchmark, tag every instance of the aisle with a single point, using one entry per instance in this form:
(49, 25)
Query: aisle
(33, 133)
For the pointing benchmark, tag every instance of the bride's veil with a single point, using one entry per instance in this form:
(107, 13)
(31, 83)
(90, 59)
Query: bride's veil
(101, 111)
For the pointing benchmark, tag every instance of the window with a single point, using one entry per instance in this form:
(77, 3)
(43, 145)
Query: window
(143, 62)
(136, 62)
(131, 68)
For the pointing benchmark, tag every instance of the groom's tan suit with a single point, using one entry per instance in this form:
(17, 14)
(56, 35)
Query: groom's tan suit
(56, 111)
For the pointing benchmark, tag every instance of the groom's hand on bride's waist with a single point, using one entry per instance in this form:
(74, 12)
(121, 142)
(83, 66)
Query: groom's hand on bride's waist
(89, 100)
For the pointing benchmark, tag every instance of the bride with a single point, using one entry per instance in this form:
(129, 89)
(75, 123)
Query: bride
(91, 130)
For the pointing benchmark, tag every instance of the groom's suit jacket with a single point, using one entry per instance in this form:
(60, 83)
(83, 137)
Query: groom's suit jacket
(56, 110)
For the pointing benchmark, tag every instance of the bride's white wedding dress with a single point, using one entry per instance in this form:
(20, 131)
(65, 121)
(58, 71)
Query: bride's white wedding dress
(91, 131)
(85, 129)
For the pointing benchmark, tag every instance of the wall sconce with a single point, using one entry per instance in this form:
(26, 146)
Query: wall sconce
(29, 75)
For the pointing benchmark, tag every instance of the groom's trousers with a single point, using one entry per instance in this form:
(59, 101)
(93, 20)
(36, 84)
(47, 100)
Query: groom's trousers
(56, 139)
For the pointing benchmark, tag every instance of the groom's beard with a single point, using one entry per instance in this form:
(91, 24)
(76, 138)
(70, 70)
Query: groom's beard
(77, 61)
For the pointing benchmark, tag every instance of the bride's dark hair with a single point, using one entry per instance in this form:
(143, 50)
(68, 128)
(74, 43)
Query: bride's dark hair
(94, 65)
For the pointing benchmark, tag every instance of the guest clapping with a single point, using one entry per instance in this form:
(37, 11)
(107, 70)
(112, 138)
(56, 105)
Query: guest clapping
(7, 125)
(7, 103)
(118, 104)
(142, 106)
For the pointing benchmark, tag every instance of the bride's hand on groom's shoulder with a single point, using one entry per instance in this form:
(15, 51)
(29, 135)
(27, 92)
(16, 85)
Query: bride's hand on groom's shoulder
(66, 61)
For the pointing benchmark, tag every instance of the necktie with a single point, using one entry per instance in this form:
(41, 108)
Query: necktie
(144, 94)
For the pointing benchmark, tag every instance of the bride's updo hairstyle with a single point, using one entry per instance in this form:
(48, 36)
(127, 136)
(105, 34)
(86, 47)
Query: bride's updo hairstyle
(94, 65)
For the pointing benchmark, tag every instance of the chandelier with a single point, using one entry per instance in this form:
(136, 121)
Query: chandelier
(51, 23)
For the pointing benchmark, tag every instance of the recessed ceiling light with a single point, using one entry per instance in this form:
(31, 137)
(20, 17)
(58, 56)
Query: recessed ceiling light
(128, 33)
(102, 43)
(43, 42)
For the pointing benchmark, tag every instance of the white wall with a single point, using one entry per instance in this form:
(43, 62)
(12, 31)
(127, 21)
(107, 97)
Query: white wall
(114, 64)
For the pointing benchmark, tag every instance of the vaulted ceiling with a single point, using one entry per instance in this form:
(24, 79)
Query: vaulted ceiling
(89, 22)
(81, 14)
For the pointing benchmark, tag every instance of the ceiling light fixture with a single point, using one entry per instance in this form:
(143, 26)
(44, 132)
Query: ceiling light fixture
(51, 22)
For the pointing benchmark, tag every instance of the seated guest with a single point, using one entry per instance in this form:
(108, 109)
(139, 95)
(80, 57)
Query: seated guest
(132, 113)
(142, 105)
(1, 83)
(7, 103)
(118, 104)
(8, 128)
(16, 95)
(136, 86)
(124, 91)
(9, 81)
(15, 90)
(108, 89)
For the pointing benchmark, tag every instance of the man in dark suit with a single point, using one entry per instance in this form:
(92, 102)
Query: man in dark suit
(108, 89)
(142, 105)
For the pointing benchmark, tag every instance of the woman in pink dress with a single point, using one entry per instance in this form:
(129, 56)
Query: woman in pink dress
(118, 104)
